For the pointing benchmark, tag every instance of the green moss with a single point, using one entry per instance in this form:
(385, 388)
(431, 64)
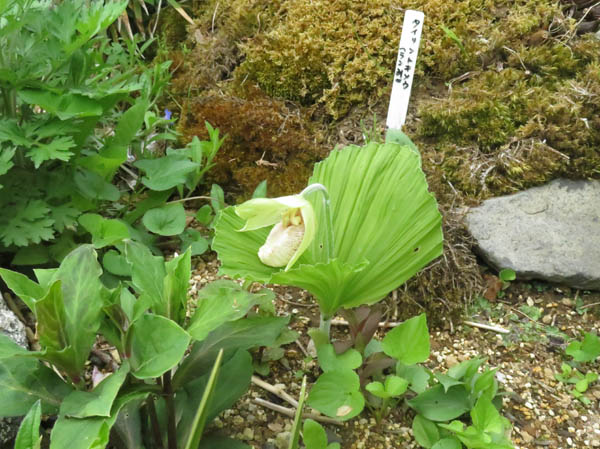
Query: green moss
(340, 54)
(536, 119)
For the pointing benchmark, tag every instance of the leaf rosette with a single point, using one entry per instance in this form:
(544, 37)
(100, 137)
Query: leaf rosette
(376, 226)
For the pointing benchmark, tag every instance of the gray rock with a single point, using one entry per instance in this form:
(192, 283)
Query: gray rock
(15, 330)
(550, 233)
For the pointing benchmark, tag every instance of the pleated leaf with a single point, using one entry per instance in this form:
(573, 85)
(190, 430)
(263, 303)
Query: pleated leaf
(386, 227)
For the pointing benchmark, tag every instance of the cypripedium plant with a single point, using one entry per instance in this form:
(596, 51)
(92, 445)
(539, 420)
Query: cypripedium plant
(365, 224)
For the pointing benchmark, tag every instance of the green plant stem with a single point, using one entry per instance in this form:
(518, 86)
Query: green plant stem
(190, 198)
(154, 422)
(169, 398)
(10, 102)
(325, 324)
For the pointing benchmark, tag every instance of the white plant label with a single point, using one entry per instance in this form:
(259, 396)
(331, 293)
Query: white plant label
(405, 68)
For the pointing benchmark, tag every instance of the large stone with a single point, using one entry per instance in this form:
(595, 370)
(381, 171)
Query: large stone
(549, 233)
(15, 330)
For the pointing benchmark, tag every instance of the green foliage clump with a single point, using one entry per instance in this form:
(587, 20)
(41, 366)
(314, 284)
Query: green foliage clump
(532, 121)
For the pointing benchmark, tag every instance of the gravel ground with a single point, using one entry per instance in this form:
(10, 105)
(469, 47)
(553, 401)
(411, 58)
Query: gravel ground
(540, 319)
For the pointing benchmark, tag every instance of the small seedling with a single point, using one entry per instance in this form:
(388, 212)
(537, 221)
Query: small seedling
(506, 276)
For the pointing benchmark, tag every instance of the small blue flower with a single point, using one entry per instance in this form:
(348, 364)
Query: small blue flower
(167, 114)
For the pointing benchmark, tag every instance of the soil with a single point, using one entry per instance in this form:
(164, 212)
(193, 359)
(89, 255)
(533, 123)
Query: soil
(540, 321)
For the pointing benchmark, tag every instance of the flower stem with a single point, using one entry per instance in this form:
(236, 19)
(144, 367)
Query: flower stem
(328, 243)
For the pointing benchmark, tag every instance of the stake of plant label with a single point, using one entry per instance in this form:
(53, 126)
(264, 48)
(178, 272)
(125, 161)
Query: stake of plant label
(405, 69)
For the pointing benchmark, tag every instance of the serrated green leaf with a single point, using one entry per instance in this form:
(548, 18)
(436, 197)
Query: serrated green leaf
(59, 148)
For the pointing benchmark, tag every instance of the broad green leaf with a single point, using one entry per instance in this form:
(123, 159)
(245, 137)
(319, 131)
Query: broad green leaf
(447, 443)
(23, 287)
(176, 284)
(154, 199)
(328, 359)
(116, 263)
(205, 215)
(245, 333)
(52, 326)
(233, 382)
(8, 348)
(388, 220)
(190, 238)
(105, 232)
(587, 350)
(437, 405)
(93, 186)
(148, 272)
(485, 384)
(217, 198)
(201, 414)
(64, 106)
(425, 431)
(337, 394)
(165, 220)
(166, 172)
(31, 255)
(261, 190)
(99, 401)
(23, 381)
(485, 417)
(44, 276)
(156, 344)
(313, 435)
(395, 386)
(129, 124)
(128, 425)
(418, 376)
(465, 370)
(447, 381)
(408, 342)
(219, 302)
(79, 274)
(89, 433)
(29, 432)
